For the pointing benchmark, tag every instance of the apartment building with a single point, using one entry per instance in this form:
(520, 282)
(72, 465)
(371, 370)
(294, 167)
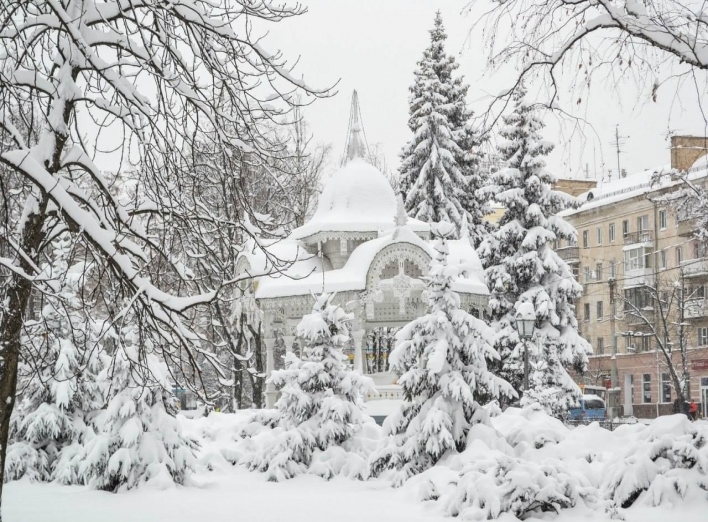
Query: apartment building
(631, 249)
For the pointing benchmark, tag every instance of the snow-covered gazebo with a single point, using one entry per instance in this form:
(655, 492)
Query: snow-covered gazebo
(359, 244)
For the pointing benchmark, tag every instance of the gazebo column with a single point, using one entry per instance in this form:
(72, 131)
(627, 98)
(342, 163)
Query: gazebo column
(289, 341)
(271, 392)
(358, 338)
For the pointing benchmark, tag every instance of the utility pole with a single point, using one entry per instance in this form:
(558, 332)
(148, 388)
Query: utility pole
(614, 400)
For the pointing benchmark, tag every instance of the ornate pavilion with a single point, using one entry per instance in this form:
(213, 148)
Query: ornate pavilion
(360, 245)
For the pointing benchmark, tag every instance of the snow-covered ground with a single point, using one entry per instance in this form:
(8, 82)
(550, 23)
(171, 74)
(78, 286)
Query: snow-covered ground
(221, 491)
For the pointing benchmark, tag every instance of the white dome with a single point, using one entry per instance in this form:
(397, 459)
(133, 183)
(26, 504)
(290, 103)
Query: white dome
(357, 198)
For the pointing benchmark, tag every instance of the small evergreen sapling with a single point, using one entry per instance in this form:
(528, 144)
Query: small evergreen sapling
(320, 398)
(57, 381)
(442, 357)
(138, 437)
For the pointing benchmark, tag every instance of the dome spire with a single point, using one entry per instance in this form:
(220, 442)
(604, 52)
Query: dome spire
(356, 137)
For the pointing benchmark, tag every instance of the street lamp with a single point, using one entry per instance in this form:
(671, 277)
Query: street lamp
(525, 323)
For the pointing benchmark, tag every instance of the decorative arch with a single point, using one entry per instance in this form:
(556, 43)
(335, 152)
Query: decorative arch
(404, 257)
(399, 252)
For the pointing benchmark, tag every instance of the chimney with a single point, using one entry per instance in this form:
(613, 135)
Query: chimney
(685, 150)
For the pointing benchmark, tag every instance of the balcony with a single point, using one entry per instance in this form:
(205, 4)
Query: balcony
(638, 277)
(695, 308)
(686, 220)
(569, 254)
(642, 317)
(695, 267)
(642, 236)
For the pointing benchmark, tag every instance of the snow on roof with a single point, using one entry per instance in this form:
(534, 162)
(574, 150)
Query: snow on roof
(284, 255)
(352, 276)
(616, 190)
(357, 198)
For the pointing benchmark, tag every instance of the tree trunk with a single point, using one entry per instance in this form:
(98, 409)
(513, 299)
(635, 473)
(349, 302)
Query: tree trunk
(11, 322)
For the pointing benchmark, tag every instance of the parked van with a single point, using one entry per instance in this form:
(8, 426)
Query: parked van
(592, 408)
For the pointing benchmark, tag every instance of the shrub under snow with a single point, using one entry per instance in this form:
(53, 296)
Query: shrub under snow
(319, 406)
(664, 462)
(138, 438)
(496, 475)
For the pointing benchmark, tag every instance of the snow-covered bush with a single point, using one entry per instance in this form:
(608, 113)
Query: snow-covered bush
(57, 385)
(319, 406)
(664, 462)
(442, 357)
(138, 439)
(499, 474)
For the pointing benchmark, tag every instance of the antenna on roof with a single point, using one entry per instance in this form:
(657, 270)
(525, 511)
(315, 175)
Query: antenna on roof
(618, 142)
(356, 144)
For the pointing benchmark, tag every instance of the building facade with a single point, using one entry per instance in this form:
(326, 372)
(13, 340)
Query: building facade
(644, 278)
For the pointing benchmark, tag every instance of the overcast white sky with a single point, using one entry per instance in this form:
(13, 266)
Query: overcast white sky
(373, 46)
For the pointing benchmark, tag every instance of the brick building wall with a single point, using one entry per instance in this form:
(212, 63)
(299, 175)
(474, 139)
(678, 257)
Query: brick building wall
(685, 150)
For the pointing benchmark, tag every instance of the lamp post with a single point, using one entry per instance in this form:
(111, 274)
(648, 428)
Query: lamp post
(525, 324)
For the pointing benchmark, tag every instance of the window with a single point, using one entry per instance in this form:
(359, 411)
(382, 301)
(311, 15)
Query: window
(637, 297)
(679, 256)
(613, 273)
(699, 292)
(662, 219)
(645, 343)
(631, 389)
(598, 271)
(646, 388)
(625, 227)
(612, 232)
(585, 239)
(599, 235)
(662, 259)
(637, 258)
(599, 310)
(600, 346)
(665, 388)
(642, 223)
(587, 274)
(702, 336)
(630, 345)
(587, 312)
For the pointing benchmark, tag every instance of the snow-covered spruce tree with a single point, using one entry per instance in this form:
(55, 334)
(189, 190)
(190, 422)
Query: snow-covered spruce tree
(439, 170)
(521, 265)
(138, 439)
(319, 405)
(57, 380)
(442, 357)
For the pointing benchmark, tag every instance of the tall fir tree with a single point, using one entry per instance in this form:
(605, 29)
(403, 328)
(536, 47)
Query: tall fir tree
(440, 167)
(443, 358)
(521, 265)
(58, 386)
(320, 398)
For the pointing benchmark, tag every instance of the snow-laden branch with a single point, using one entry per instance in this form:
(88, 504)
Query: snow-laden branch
(545, 36)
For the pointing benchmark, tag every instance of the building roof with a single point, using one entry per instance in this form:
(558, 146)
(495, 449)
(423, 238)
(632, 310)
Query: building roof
(352, 276)
(609, 192)
(357, 198)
